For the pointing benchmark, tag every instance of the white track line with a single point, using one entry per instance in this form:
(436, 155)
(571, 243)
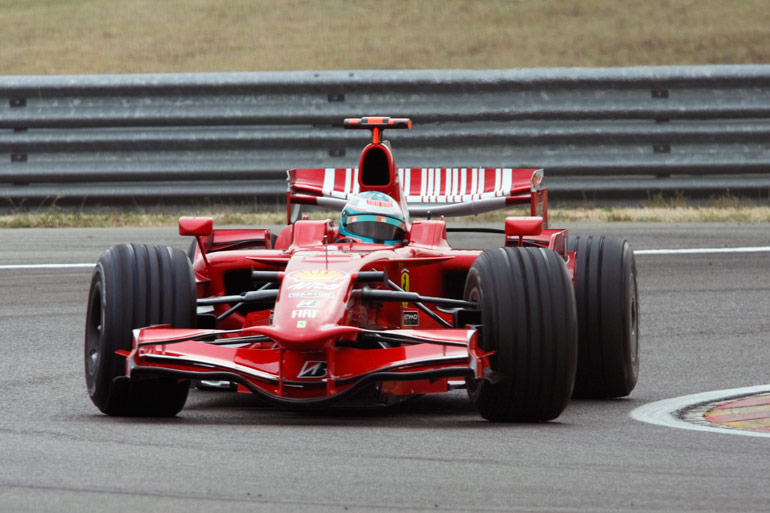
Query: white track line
(697, 251)
(48, 266)
(685, 251)
(665, 412)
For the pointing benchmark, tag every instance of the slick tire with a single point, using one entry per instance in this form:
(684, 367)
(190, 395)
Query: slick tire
(608, 317)
(134, 286)
(529, 320)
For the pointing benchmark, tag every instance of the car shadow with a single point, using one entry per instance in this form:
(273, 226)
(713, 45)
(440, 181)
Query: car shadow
(443, 411)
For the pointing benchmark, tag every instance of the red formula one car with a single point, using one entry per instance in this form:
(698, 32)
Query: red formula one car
(380, 307)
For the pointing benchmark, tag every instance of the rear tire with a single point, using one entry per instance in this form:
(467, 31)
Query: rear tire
(528, 318)
(608, 317)
(134, 286)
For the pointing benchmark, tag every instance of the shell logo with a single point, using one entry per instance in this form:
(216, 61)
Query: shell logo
(537, 180)
(318, 275)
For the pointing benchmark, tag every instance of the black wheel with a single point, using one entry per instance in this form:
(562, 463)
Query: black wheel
(135, 286)
(528, 318)
(608, 317)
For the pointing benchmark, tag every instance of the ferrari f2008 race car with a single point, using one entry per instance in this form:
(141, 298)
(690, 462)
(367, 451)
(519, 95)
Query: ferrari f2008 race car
(379, 307)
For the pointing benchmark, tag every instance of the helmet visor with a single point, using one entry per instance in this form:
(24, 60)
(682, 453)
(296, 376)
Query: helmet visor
(378, 228)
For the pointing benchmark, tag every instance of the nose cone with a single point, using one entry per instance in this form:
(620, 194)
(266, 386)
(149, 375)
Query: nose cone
(310, 306)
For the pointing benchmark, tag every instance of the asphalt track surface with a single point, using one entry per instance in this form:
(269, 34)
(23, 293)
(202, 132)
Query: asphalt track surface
(704, 325)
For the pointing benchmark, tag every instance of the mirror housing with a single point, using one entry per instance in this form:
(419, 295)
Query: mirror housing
(196, 226)
(521, 226)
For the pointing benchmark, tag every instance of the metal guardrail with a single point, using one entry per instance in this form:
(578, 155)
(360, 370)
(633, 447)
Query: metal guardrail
(598, 132)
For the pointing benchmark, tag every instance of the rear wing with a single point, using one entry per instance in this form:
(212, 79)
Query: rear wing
(428, 191)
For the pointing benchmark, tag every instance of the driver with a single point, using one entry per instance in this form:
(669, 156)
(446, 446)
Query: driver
(373, 217)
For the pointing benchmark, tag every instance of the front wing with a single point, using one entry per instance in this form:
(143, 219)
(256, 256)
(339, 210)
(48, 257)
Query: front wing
(423, 361)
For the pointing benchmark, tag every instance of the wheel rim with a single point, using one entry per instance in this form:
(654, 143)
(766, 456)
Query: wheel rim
(473, 386)
(93, 340)
(634, 322)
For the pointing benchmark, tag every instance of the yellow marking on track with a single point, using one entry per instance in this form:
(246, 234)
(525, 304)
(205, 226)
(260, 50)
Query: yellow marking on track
(738, 411)
(749, 424)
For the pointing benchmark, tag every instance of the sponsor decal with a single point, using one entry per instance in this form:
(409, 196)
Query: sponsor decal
(308, 303)
(405, 284)
(313, 369)
(537, 180)
(411, 318)
(318, 275)
(304, 314)
(311, 294)
(314, 285)
(301, 324)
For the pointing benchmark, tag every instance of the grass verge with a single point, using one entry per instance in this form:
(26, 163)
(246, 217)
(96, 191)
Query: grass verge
(146, 36)
(717, 211)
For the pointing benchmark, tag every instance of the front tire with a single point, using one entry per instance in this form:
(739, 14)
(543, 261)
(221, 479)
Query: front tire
(134, 286)
(528, 318)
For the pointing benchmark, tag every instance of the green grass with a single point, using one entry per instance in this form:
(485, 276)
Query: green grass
(146, 36)
(717, 210)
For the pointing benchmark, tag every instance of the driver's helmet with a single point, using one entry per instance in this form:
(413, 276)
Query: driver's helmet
(373, 217)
